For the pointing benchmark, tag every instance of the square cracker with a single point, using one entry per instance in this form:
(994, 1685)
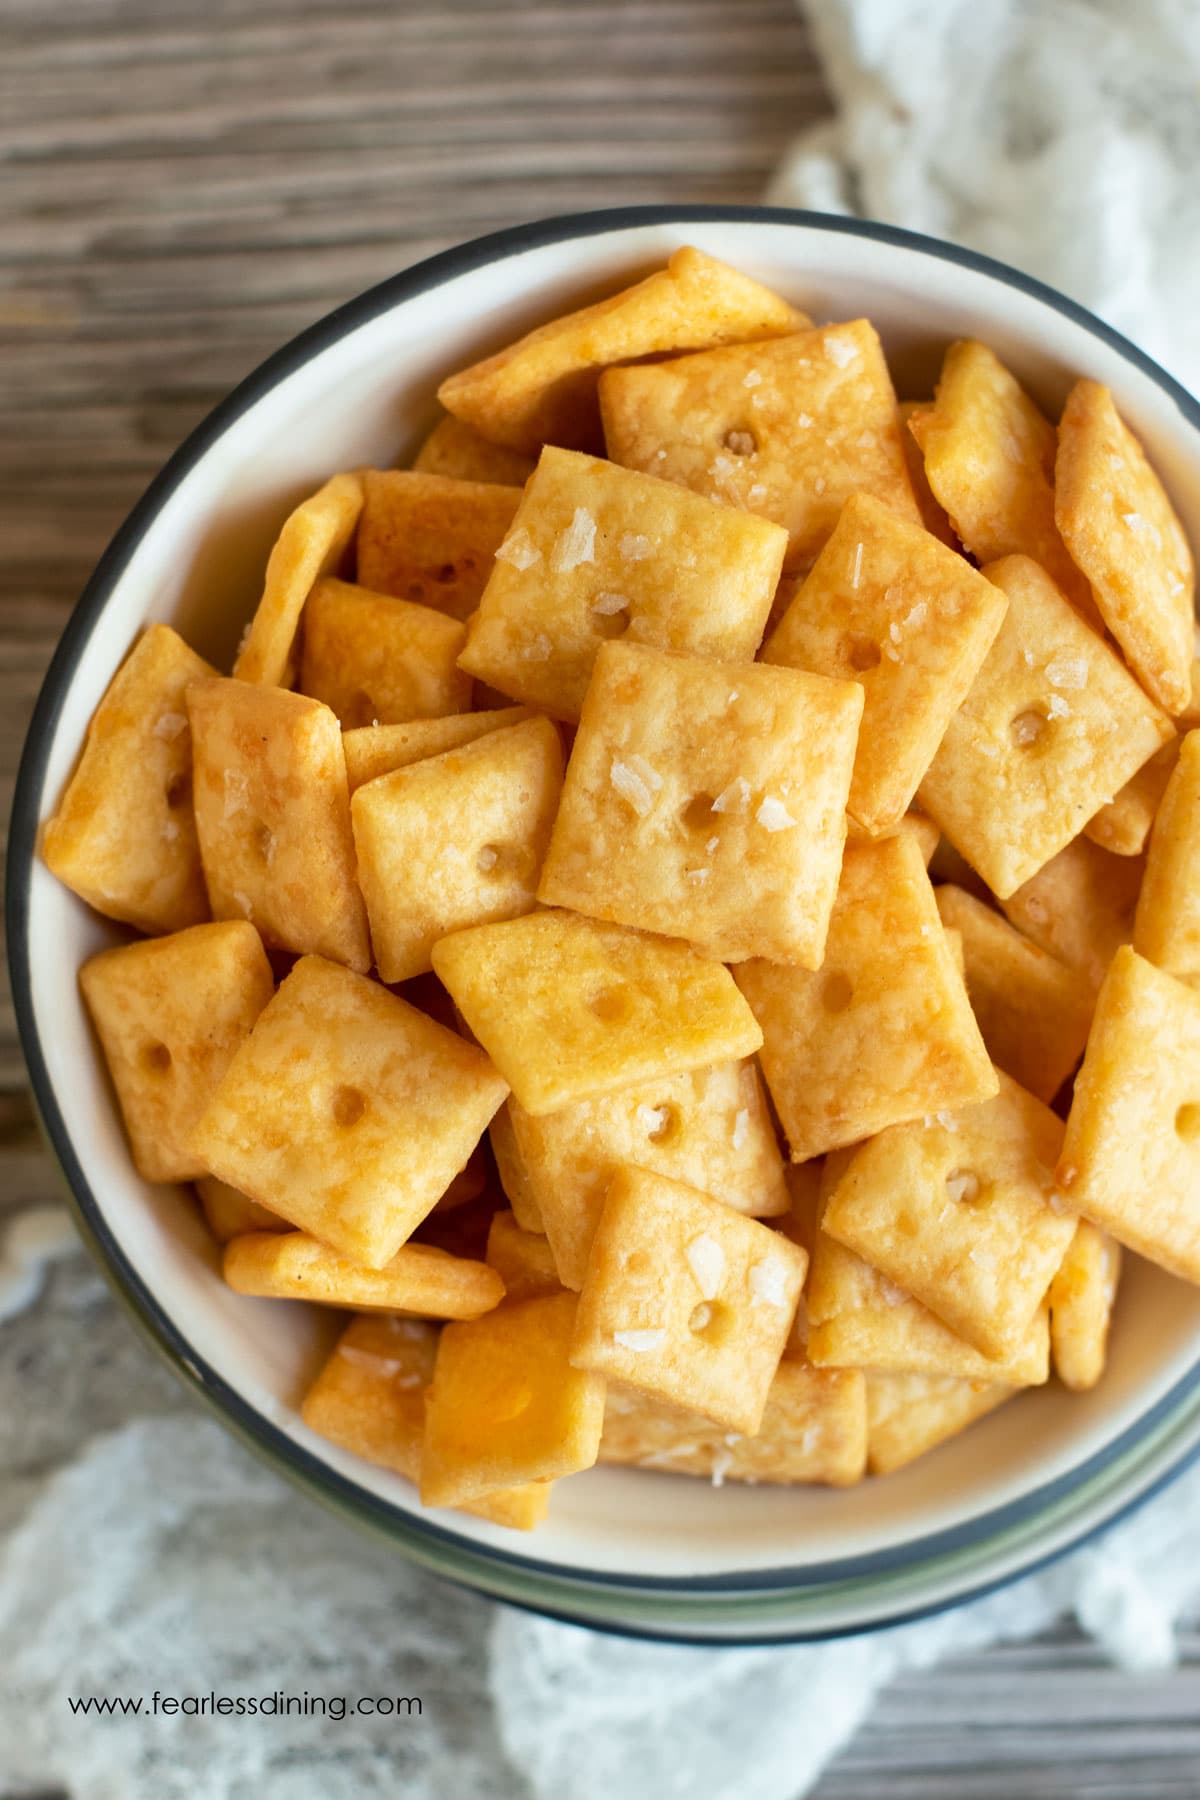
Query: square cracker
(230, 1214)
(709, 1128)
(814, 1429)
(123, 837)
(1166, 927)
(378, 749)
(883, 1032)
(418, 1279)
(313, 542)
(957, 1211)
(1131, 1160)
(455, 840)
(1125, 535)
(370, 1399)
(542, 389)
(910, 1414)
(570, 1008)
(1080, 907)
(506, 1405)
(597, 552)
(789, 429)
(707, 802)
(273, 818)
(1081, 1304)
(431, 539)
(1124, 824)
(1052, 727)
(522, 1259)
(886, 605)
(457, 450)
(170, 1012)
(859, 1319)
(1033, 1010)
(347, 1111)
(378, 661)
(686, 1299)
(989, 461)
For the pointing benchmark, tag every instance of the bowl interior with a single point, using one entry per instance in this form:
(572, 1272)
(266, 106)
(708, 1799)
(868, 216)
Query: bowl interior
(364, 395)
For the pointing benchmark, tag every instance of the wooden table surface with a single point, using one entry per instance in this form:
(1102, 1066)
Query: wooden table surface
(188, 182)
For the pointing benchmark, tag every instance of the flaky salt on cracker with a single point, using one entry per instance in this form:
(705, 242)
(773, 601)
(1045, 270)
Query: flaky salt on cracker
(1053, 726)
(1125, 535)
(506, 1406)
(313, 542)
(570, 1008)
(908, 1415)
(455, 840)
(542, 389)
(709, 1128)
(374, 660)
(789, 429)
(814, 1429)
(1081, 1304)
(370, 1399)
(170, 1013)
(1080, 907)
(1131, 1159)
(707, 802)
(686, 1300)
(418, 1279)
(957, 1212)
(989, 460)
(430, 539)
(123, 836)
(1033, 1010)
(887, 605)
(598, 552)
(347, 1111)
(457, 450)
(378, 749)
(273, 817)
(883, 1031)
(1167, 924)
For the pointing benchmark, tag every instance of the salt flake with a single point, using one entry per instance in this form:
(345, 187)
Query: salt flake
(773, 815)
(741, 1128)
(768, 1282)
(170, 725)
(575, 545)
(841, 351)
(736, 797)
(633, 547)
(706, 1260)
(631, 786)
(640, 1342)
(519, 550)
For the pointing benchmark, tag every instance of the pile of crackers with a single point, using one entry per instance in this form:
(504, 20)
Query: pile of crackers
(684, 918)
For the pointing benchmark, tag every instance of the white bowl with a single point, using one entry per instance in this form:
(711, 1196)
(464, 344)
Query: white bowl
(627, 1550)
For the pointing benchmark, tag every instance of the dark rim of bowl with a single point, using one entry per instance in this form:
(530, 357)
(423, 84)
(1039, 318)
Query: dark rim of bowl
(472, 1560)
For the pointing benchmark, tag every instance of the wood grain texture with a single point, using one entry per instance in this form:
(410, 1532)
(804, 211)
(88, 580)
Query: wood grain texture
(186, 183)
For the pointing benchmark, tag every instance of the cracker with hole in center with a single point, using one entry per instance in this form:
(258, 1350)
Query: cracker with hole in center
(570, 1008)
(1125, 535)
(1033, 1010)
(430, 539)
(273, 818)
(708, 1127)
(1053, 726)
(888, 606)
(908, 1415)
(1131, 1160)
(597, 552)
(1166, 927)
(124, 837)
(506, 1405)
(313, 542)
(455, 840)
(1082, 1296)
(707, 802)
(989, 461)
(956, 1210)
(883, 1031)
(378, 749)
(1080, 907)
(542, 389)
(347, 1111)
(687, 1300)
(787, 429)
(170, 1013)
(378, 661)
(814, 1429)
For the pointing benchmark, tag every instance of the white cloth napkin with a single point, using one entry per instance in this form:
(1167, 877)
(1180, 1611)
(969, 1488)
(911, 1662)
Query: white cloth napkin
(1062, 137)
